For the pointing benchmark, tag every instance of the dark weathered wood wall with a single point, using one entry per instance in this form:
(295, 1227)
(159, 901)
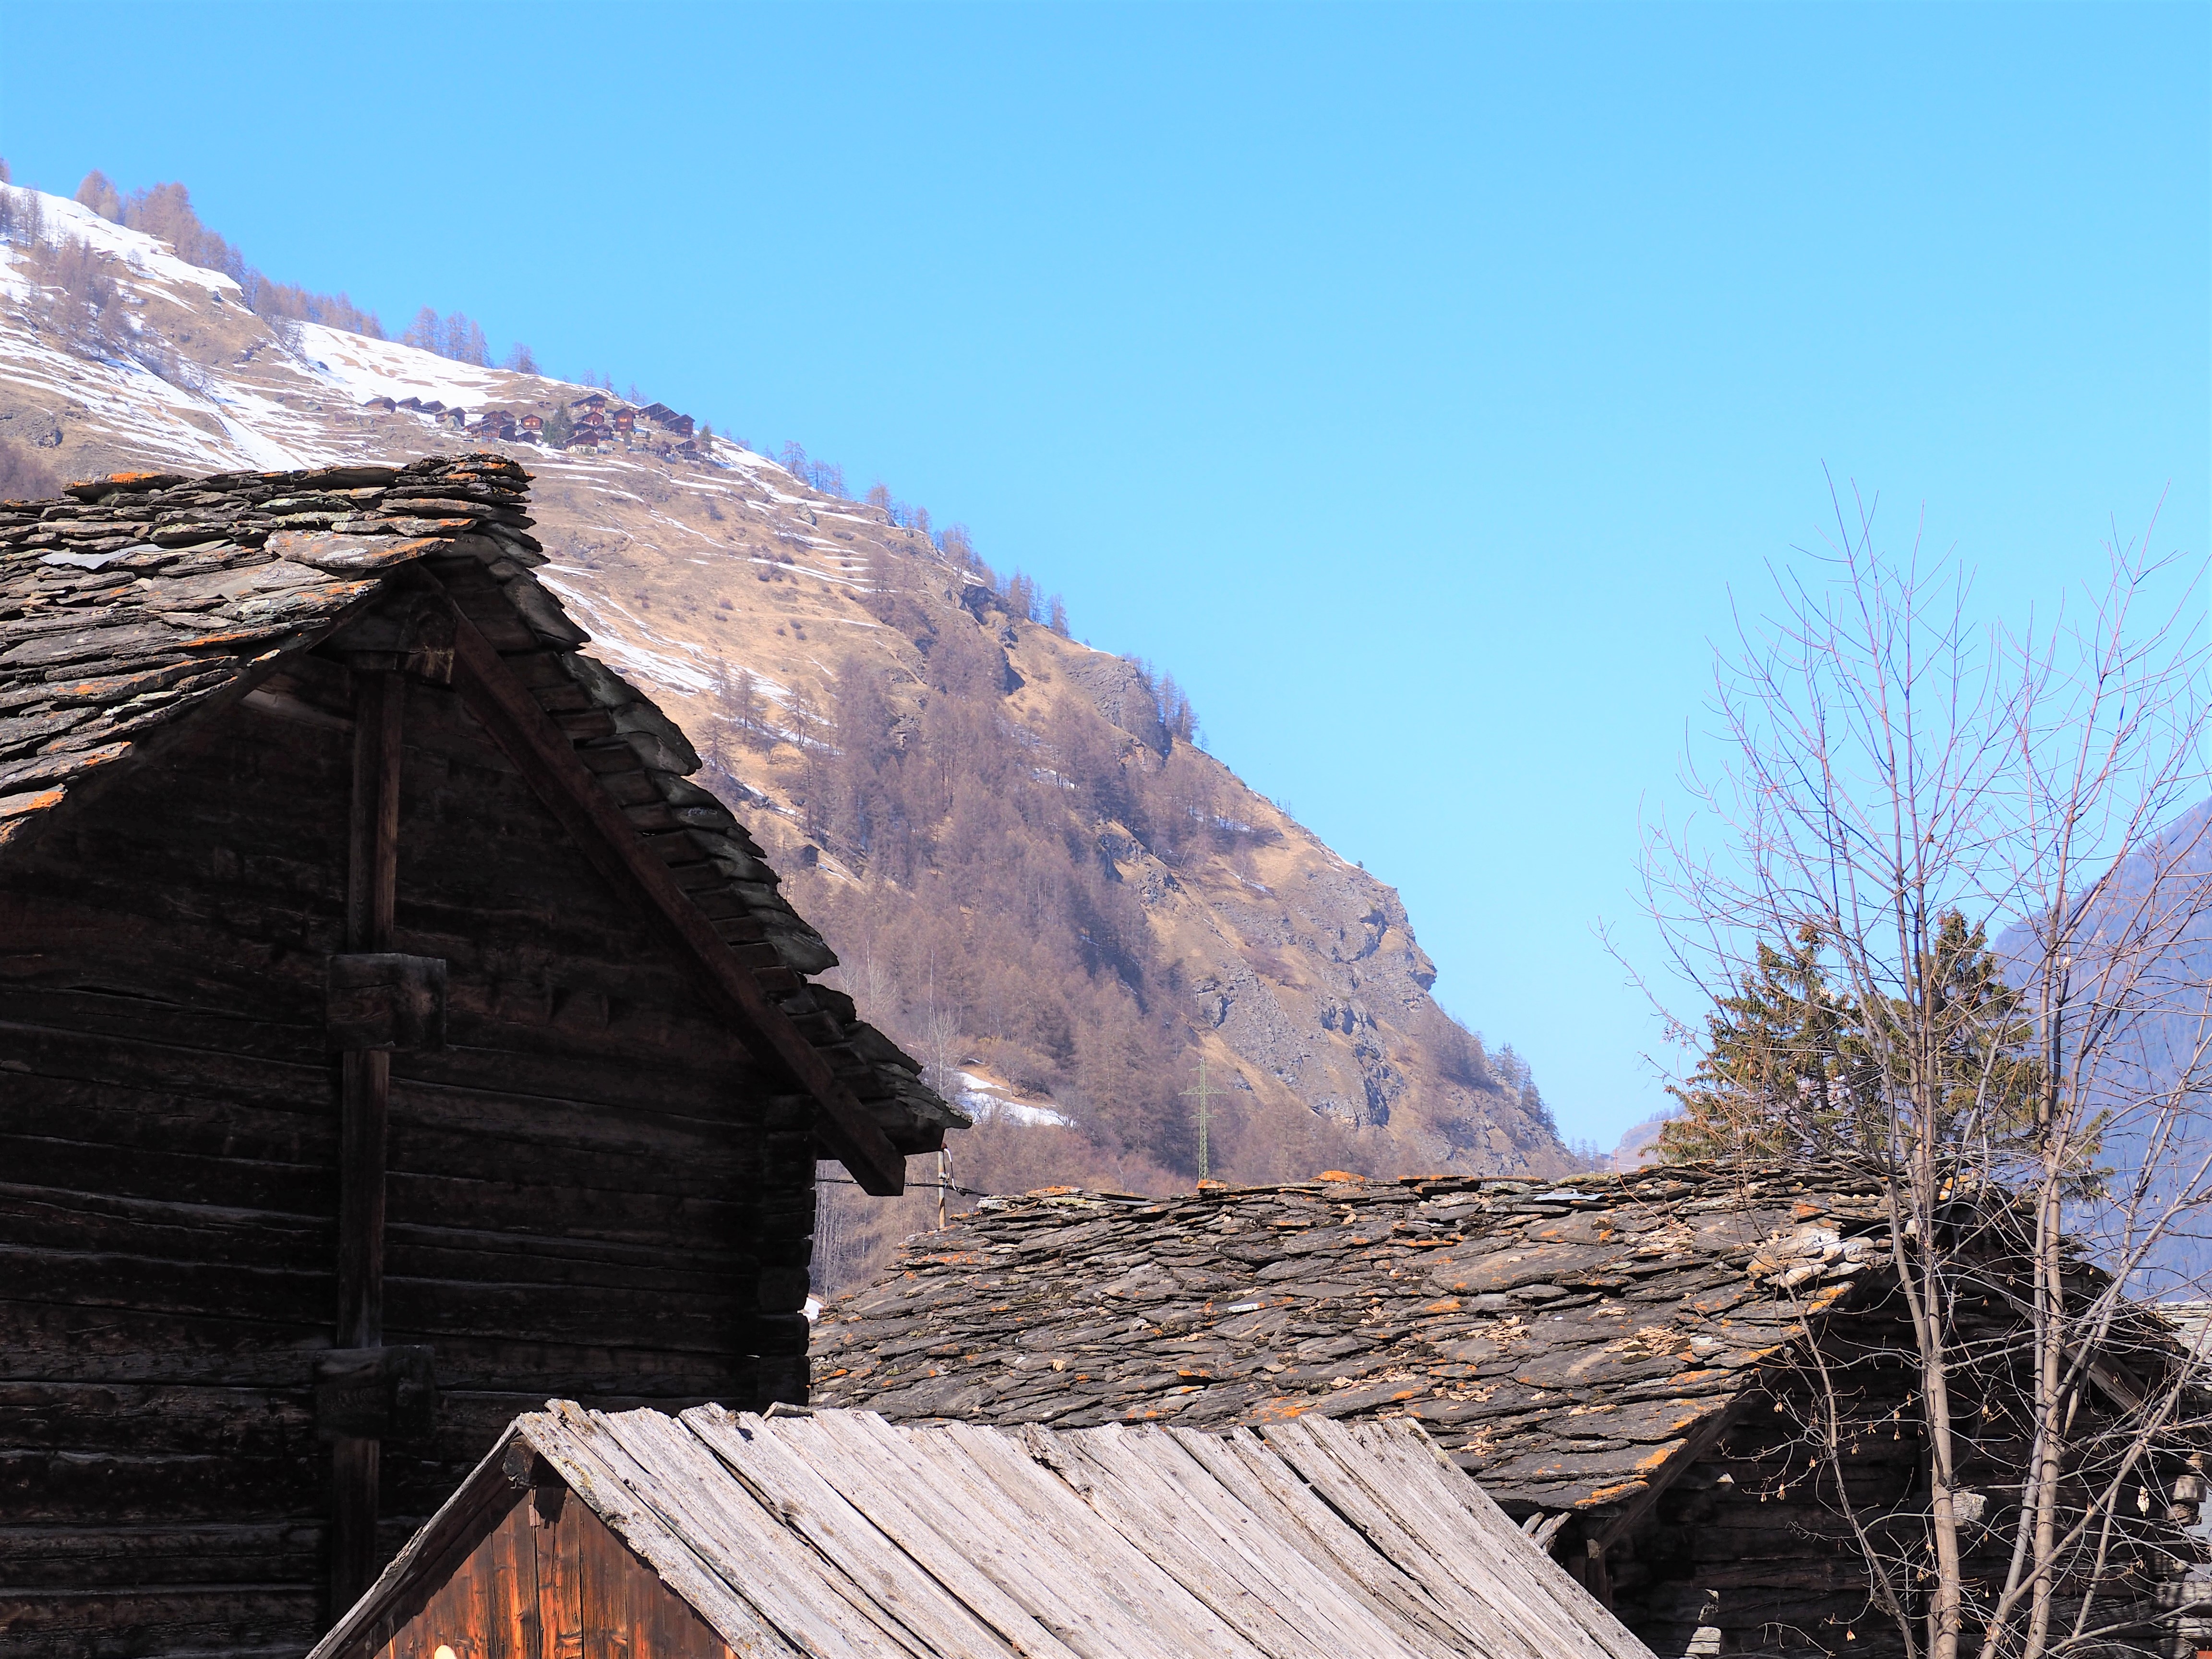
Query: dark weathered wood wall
(1751, 1543)
(1754, 1543)
(592, 1192)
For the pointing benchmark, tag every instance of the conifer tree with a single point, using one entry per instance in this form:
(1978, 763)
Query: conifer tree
(1790, 1066)
(1779, 1061)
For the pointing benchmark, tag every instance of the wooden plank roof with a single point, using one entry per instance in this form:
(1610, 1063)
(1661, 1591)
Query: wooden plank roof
(140, 605)
(1574, 1346)
(837, 1534)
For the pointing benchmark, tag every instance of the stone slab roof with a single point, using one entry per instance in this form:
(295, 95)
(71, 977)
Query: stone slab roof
(138, 605)
(1569, 1345)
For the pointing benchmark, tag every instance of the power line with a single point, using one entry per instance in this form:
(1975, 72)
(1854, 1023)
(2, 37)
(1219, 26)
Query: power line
(911, 1185)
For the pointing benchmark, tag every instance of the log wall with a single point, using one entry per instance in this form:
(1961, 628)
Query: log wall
(592, 1192)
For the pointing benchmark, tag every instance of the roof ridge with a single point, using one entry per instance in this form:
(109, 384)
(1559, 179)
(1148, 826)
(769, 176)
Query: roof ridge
(136, 604)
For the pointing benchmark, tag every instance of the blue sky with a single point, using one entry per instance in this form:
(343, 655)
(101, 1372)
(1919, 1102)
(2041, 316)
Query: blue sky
(1416, 383)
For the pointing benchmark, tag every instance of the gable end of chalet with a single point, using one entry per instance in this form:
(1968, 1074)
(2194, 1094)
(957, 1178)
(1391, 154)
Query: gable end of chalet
(142, 605)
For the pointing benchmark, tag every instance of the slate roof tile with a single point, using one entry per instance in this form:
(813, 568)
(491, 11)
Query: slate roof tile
(1564, 1341)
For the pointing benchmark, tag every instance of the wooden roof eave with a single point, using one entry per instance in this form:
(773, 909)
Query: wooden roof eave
(548, 762)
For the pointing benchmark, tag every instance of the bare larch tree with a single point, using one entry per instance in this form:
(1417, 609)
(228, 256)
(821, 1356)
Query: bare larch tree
(1888, 785)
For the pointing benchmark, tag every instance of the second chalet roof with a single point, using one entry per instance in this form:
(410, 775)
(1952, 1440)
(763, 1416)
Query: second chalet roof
(1570, 1345)
(140, 603)
(838, 1534)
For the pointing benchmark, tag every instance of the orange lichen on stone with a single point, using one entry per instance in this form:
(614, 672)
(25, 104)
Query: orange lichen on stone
(36, 801)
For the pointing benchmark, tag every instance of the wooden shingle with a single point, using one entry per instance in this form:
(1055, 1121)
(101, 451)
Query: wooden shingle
(838, 1534)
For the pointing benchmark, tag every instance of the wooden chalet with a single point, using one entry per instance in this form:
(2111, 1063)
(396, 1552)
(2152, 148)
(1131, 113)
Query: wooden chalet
(533, 426)
(625, 421)
(590, 405)
(379, 405)
(1618, 1360)
(718, 1533)
(667, 420)
(391, 1036)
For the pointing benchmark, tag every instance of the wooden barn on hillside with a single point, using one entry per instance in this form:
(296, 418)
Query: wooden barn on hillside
(390, 1038)
(837, 1534)
(1618, 1360)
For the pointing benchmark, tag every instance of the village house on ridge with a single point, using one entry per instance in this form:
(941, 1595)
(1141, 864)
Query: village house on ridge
(596, 423)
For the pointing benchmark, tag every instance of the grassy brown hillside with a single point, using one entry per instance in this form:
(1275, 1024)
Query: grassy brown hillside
(1032, 876)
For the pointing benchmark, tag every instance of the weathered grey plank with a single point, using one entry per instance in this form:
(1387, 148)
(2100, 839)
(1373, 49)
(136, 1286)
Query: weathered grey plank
(1055, 1523)
(594, 1468)
(751, 1544)
(944, 1543)
(805, 1498)
(1033, 1567)
(1200, 1533)
(1244, 1463)
(943, 1517)
(1411, 1517)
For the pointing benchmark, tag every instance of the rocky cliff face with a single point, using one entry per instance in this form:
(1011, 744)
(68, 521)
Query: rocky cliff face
(750, 604)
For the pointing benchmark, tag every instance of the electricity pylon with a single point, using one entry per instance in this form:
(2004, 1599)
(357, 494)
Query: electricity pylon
(1203, 1094)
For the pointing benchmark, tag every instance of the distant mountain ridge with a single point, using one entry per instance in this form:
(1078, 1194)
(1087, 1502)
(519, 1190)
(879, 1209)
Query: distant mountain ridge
(1034, 879)
(2142, 966)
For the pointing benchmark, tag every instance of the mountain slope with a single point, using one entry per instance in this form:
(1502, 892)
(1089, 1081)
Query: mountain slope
(1032, 879)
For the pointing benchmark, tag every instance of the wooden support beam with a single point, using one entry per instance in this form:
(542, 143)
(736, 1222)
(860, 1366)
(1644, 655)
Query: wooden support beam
(547, 761)
(365, 1096)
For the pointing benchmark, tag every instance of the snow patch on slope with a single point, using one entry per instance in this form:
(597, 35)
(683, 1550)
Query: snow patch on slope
(151, 257)
(369, 368)
(984, 1097)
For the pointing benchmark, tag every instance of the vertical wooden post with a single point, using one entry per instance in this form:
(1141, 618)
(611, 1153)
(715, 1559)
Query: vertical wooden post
(365, 1087)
